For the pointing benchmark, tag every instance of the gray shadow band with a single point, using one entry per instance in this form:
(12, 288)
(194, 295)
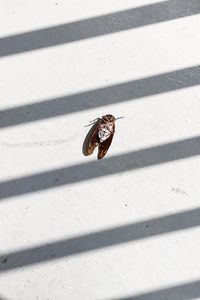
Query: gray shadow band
(131, 161)
(101, 239)
(128, 91)
(98, 26)
(185, 291)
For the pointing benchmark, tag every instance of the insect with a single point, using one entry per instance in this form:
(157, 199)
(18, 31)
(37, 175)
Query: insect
(101, 135)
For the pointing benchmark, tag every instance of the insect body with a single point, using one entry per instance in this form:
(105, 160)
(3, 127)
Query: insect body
(100, 135)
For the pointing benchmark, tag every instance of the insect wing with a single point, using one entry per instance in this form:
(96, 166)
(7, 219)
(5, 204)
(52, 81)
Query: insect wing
(104, 146)
(92, 139)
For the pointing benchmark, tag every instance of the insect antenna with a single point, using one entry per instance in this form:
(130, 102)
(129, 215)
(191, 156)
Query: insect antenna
(119, 118)
(92, 122)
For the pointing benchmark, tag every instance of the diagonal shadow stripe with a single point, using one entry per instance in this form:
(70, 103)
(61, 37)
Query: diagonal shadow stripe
(98, 26)
(127, 91)
(183, 291)
(3, 298)
(131, 161)
(100, 239)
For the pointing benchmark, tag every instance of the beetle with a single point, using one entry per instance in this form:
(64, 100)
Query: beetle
(101, 135)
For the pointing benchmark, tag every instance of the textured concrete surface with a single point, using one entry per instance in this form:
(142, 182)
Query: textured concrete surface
(126, 227)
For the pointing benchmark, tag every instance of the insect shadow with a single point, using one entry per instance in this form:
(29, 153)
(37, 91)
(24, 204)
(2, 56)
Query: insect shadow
(88, 137)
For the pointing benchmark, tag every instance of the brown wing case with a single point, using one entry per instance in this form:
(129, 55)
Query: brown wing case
(104, 146)
(92, 139)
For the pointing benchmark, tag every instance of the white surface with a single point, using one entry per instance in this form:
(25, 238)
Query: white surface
(73, 227)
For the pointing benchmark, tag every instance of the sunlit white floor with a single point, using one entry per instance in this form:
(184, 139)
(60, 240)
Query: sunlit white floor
(73, 227)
